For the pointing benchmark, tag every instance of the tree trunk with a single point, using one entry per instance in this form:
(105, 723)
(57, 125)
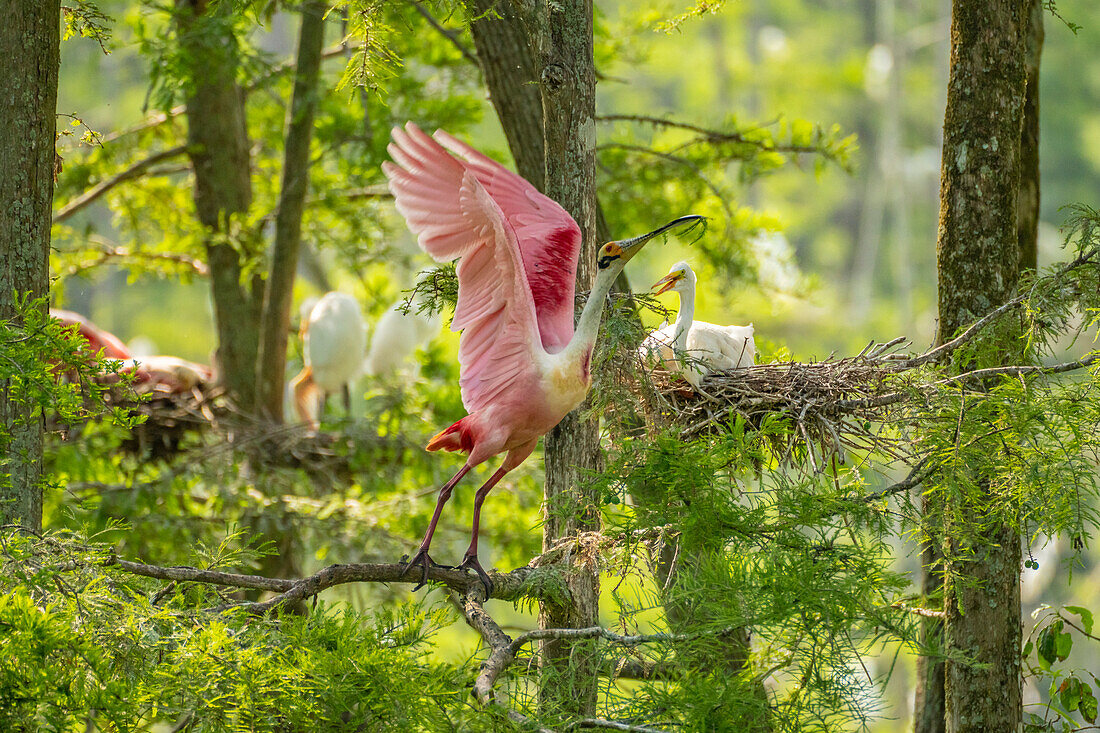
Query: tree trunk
(509, 67)
(275, 321)
(30, 41)
(218, 146)
(1027, 215)
(929, 706)
(978, 260)
(561, 33)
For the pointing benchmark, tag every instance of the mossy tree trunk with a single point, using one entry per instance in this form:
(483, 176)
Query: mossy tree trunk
(275, 321)
(978, 256)
(508, 65)
(217, 136)
(29, 57)
(1027, 213)
(509, 60)
(560, 34)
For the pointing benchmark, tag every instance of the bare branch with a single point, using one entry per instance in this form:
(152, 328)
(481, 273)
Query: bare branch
(447, 33)
(134, 171)
(920, 472)
(611, 725)
(502, 650)
(506, 586)
(965, 336)
(926, 612)
(109, 252)
(155, 120)
(707, 135)
(1067, 366)
(213, 577)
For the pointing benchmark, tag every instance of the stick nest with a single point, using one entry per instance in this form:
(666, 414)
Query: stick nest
(832, 406)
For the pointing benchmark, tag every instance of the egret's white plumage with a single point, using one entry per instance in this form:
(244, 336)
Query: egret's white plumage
(395, 338)
(334, 338)
(693, 348)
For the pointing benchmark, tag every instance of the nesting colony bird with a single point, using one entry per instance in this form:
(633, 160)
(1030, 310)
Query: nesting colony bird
(693, 348)
(334, 338)
(96, 338)
(158, 372)
(522, 366)
(171, 374)
(395, 338)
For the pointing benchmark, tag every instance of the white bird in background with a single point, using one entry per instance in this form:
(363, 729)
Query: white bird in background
(334, 337)
(693, 348)
(396, 337)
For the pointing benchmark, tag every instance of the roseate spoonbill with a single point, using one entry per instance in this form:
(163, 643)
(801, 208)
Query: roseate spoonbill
(522, 366)
(395, 338)
(695, 348)
(334, 338)
(96, 338)
(171, 374)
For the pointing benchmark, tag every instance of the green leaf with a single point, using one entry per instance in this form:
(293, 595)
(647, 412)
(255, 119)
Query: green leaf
(1070, 694)
(1047, 650)
(1088, 703)
(1085, 614)
(1063, 644)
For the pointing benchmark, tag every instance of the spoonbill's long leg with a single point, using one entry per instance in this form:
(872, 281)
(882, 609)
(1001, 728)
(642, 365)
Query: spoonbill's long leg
(471, 561)
(421, 557)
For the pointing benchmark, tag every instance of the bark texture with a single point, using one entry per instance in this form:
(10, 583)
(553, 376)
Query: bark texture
(1027, 215)
(509, 67)
(218, 146)
(978, 261)
(29, 57)
(929, 705)
(275, 321)
(561, 33)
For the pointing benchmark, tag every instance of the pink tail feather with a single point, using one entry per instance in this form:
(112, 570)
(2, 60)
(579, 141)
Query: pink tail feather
(457, 438)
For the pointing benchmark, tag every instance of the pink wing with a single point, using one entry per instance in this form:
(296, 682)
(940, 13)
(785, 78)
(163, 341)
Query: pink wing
(549, 240)
(455, 217)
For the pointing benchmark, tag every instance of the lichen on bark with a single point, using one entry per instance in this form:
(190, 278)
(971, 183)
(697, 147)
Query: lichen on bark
(978, 264)
(29, 58)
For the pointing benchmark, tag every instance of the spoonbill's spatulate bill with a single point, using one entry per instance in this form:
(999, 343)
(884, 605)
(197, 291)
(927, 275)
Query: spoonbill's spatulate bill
(522, 366)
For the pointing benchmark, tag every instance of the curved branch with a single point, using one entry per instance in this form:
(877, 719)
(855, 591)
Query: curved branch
(450, 35)
(707, 135)
(108, 253)
(506, 586)
(679, 160)
(134, 171)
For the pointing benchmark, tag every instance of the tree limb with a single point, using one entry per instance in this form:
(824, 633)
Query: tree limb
(611, 725)
(160, 118)
(450, 35)
(506, 586)
(108, 253)
(710, 136)
(133, 171)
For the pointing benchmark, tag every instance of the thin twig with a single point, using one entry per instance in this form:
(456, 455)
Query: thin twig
(450, 35)
(707, 135)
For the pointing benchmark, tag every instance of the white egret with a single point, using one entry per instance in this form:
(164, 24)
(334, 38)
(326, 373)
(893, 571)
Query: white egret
(395, 338)
(693, 348)
(334, 337)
